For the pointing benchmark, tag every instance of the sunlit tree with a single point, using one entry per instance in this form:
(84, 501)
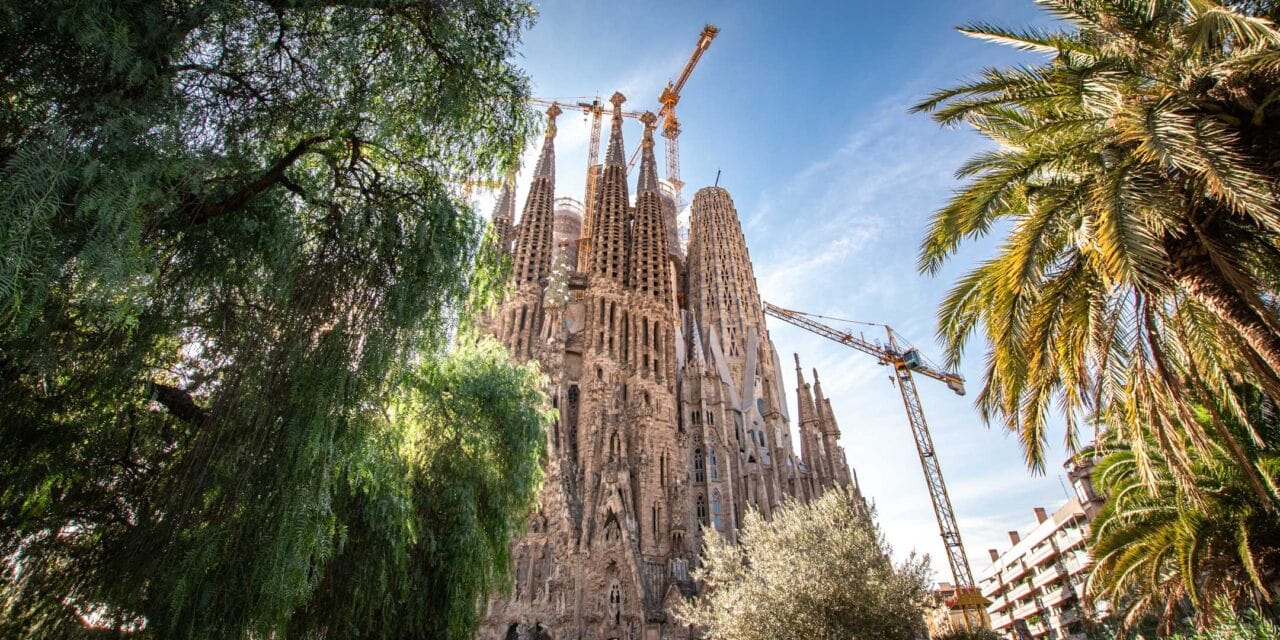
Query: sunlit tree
(231, 262)
(820, 570)
(1134, 182)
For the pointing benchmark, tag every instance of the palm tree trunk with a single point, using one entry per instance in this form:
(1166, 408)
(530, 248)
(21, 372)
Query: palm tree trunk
(1193, 270)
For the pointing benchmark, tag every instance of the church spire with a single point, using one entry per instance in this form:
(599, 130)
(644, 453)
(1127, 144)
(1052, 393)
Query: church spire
(504, 214)
(615, 156)
(533, 242)
(647, 260)
(609, 230)
(648, 166)
(806, 413)
(546, 167)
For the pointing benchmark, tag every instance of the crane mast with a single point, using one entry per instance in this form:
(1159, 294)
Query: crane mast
(668, 99)
(968, 600)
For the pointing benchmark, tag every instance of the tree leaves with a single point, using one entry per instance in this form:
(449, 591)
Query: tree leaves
(234, 247)
(818, 570)
(1112, 158)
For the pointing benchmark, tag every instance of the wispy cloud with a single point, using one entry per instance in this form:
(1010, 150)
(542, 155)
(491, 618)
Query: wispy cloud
(838, 236)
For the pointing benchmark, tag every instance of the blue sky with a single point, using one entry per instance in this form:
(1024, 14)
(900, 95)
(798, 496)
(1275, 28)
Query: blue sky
(802, 107)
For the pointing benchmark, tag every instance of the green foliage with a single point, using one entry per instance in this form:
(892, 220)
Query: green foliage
(819, 570)
(1233, 626)
(1136, 176)
(232, 262)
(1158, 545)
(965, 634)
(457, 464)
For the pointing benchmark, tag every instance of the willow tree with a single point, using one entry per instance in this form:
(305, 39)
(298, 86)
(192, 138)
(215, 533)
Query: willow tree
(231, 268)
(1135, 183)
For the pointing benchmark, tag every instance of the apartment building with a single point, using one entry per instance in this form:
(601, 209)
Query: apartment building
(1036, 587)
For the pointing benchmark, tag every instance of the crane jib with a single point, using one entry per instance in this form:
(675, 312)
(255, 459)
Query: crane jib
(968, 599)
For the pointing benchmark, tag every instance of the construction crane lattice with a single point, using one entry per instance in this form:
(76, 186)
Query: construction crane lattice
(968, 600)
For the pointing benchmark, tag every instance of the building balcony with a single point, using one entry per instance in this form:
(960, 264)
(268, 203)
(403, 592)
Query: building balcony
(998, 603)
(1019, 592)
(1014, 571)
(1026, 610)
(1000, 621)
(1057, 595)
(1038, 556)
(1065, 618)
(1070, 540)
(1048, 575)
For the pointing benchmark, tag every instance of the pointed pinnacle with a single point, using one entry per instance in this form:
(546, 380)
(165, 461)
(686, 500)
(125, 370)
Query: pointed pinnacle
(615, 156)
(546, 167)
(552, 112)
(648, 166)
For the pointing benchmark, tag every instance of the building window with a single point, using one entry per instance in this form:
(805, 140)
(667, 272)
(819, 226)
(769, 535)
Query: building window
(702, 511)
(711, 463)
(715, 508)
(698, 466)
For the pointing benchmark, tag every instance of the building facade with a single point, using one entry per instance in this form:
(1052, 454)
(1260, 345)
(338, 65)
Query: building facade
(672, 411)
(1036, 588)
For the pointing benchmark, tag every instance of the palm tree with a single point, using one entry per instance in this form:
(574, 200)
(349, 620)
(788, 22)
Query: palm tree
(1156, 548)
(1136, 173)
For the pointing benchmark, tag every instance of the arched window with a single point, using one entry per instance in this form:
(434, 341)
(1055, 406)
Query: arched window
(702, 511)
(713, 470)
(697, 466)
(715, 508)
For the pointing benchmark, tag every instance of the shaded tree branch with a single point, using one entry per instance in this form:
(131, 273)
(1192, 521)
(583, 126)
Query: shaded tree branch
(273, 175)
(180, 404)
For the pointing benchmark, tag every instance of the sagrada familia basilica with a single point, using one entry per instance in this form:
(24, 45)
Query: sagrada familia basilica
(672, 414)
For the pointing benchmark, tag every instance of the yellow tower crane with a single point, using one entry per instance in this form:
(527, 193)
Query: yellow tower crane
(968, 600)
(668, 99)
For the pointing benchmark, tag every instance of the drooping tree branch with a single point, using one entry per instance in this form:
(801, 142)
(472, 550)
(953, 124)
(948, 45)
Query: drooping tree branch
(180, 404)
(275, 174)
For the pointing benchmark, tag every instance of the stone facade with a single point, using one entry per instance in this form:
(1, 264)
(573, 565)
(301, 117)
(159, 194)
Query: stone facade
(672, 412)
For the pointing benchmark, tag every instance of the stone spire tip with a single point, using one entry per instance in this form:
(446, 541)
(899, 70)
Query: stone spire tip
(648, 165)
(615, 155)
(546, 167)
(553, 111)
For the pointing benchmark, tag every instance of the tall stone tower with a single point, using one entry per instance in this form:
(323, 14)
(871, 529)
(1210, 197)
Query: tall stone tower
(568, 226)
(672, 418)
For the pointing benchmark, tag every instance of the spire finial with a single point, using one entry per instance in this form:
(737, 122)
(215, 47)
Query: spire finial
(546, 167)
(648, 165)
(552, 112)
(797, 357)
(615, 156)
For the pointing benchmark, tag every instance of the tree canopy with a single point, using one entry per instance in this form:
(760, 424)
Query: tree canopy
(232, 262)
(1135, 182)
(817, 570)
